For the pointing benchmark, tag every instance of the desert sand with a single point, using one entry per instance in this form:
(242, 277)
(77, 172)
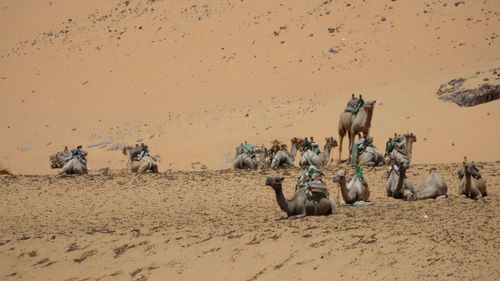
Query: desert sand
(193, 80)
(225, 225)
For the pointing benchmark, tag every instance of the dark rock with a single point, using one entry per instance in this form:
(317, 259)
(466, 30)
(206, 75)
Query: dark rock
(456, 92)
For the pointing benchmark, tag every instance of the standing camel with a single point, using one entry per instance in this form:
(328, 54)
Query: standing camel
(310, 158)
(355, 124)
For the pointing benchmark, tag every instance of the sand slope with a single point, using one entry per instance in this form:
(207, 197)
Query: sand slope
(194, 79)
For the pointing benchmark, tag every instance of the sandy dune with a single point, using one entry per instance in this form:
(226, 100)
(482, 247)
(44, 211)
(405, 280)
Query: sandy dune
(222, 225)
(195, 79)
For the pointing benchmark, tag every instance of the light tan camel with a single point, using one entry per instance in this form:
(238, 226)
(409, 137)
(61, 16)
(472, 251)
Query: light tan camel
(432, 187)
(281, 158)
(147, 163)
(410, 138)
(371, 157)
(354, 191)
(74, 166)
(402, 150)
(262, 160)
(398, 185)
(301, 204)
(310, 158)
(245, 161)
(355, 124)
(471, 185)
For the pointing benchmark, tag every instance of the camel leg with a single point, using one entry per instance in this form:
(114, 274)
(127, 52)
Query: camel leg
(340, 147)
(300, 216)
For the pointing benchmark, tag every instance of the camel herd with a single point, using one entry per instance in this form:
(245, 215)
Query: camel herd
(355, 191)
(313, 197)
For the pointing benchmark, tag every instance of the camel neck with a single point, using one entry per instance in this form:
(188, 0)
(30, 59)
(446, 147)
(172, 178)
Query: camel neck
(343, 189)
(369, 115)
(280, 198)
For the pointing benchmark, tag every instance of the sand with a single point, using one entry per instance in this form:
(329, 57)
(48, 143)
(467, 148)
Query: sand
(193, 80)
(225, 225)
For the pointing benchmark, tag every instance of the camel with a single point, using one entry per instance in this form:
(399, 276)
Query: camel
(295, 147)
(281, 158)
(355, 124)
(432, 187)
(398, 185)
(353, 192)
(301, 204)
(410, 138)
(371, 157)
(74, 166)
(147, 163)
(262, 161)
(310, 158)
(245, 161)
(58, 159)
(402, 150)
(471, 185)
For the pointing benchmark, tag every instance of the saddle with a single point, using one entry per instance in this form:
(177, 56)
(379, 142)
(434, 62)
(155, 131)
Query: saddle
(318, 187)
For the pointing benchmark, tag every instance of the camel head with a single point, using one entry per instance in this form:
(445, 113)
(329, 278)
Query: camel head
(330, 143)
(274, 182)
(297, 142)
(369, 105)
(410, 137)
(339, 176)
(471, 169)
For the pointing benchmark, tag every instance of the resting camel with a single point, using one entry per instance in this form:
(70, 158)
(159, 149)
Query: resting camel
(74, 166)
(371, 157)
(245, 161)
(355, 124)
(432, 187)
(353, 191)
(403, 150)
(281, 158)
(410, 138)
(147, 163)
(471, 185)
(310, 158)
(262, 155)
(295, 147)
(301, 204)
(398, 185)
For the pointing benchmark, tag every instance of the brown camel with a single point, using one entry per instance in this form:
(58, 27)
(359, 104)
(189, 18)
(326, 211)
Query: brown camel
(355, 124)
(301, 204)
(471, 185)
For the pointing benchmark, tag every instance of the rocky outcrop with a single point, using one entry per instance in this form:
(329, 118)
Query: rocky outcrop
(479, 88)
(4, 170)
